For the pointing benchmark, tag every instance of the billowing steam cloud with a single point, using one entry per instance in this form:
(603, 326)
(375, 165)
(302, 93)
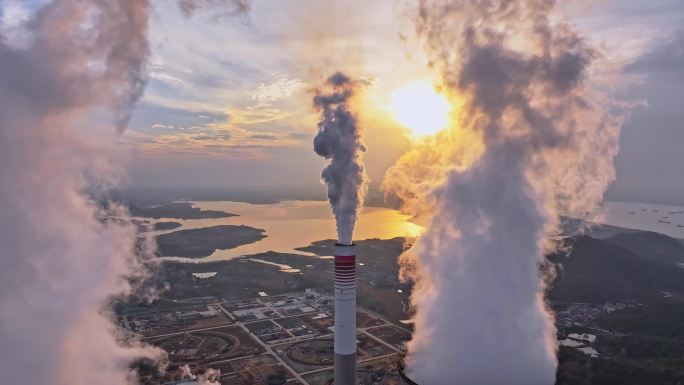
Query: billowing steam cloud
(531, 139)
(63, 88)
(230, 7)
(209, 377)
(339, 140)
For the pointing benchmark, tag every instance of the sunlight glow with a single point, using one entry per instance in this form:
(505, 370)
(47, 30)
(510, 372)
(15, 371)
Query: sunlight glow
(419, 107)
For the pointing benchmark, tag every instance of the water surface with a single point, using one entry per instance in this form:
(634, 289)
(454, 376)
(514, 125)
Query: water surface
(292, 224)
(668, 220)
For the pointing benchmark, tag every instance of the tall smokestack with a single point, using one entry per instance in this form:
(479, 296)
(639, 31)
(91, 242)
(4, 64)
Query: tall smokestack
(339, 140)
(345, 314)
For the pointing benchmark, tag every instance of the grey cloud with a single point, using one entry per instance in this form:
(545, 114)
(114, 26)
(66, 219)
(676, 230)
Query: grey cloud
(263, 136)
(209, 136)
(666, 58)
(154, 116)
(299, 135)
(649, 163)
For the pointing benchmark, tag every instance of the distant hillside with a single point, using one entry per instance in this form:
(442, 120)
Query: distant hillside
(575, 227)
(598, 271)
(652, 246)
(176, 210)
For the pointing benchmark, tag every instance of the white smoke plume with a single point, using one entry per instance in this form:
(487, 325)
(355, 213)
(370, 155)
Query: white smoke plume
(531, 139)
(67, 91)
(186, 372)
(339, 139)
(210, 377)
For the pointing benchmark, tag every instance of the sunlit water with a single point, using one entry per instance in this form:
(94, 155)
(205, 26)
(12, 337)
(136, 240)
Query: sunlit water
(293, 224)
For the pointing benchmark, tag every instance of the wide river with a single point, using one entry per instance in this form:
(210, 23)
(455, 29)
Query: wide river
(291, 224)
(662, 219)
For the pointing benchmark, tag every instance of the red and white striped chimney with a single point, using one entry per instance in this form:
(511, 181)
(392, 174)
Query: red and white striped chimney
(345, 315)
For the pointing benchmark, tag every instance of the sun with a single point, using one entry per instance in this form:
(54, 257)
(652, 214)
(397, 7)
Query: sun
(419, 107)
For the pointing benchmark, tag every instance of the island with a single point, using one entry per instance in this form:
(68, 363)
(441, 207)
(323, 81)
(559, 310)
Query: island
(146, 225)
(166, 225)
(202, 242)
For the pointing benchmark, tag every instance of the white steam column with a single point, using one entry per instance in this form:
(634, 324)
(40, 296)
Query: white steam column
(345, 315)
(339, 140)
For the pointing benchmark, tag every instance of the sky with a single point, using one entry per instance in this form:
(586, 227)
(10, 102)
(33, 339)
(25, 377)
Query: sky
(228, 102)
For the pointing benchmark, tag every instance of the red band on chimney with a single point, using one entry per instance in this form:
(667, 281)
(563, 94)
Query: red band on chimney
(345, 258)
